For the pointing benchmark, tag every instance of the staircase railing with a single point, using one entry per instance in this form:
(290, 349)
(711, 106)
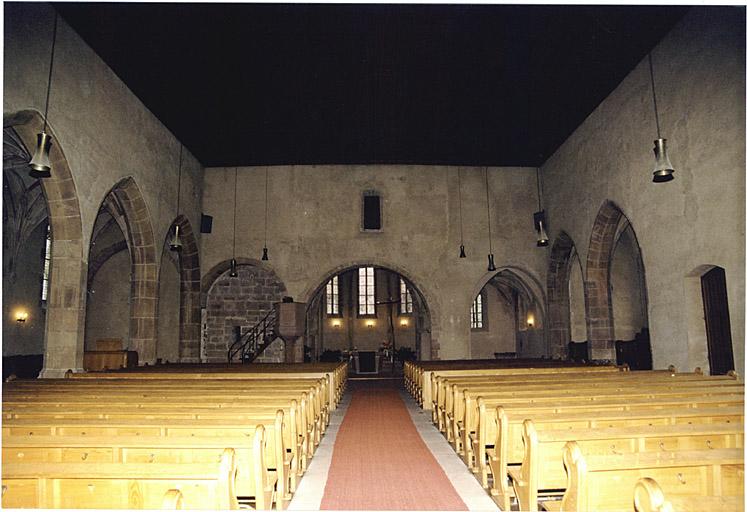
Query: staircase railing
(253, 342)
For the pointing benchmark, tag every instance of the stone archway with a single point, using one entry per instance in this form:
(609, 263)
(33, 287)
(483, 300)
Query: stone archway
(430, 347)
(65, 317)
(558, 296)
(240, 302)
(609, 224)
(127, 206)
(526, 297)
(189, 293)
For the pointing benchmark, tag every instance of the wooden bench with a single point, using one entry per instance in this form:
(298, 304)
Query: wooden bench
(607, 482)
(649, 497)
(279, 451)
(465, 416)
(202, 486)
(542, 465)
(508, 423)
(252, 480)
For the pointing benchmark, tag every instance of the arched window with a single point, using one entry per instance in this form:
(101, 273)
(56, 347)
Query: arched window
(476, 313)
(333, 296)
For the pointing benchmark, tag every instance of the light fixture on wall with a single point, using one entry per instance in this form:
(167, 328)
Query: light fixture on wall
(462, 254)
(663, 170)
(491, 262)
(176, 242)
(370, 324)
(530, 320)
(404, 322)
(539, 217)
(264, 247)
(336, 323)
(40, 165)
(233, 272)
(21, 316)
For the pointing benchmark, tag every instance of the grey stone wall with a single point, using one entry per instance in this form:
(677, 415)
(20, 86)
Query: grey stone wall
(106, 134)
(240, 301)
(314, 230)
(694, 220)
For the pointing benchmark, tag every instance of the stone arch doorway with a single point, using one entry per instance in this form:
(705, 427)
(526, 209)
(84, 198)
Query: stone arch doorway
(232, 304)
(565, 299)
(508, 317)
(615, 279)
(123, 222)
(65, 308)
(179, 297)
(400, 324)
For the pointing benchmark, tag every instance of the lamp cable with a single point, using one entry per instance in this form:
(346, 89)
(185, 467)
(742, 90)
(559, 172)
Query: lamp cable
(653, 91)
(51, 65)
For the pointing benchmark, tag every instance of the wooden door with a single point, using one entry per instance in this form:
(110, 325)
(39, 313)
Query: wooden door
(718, 327)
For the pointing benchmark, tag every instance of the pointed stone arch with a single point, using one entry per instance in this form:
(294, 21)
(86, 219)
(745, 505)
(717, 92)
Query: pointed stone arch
(558, 296)
(609, 224)
(126, 203)
(65, 317)
(530, 289)
(189, 292)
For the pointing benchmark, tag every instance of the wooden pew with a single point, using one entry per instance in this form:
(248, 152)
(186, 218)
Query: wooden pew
(253, 478)
(460, 423)
(508, 447)
(607, 482)
(278, 451)
(428, 376)
(649, 497)
(335, 375)
(542, 464)
(203, 486)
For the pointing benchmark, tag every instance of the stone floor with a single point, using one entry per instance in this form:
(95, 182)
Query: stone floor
(309, 494)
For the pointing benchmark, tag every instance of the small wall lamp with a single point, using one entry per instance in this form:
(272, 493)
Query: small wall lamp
(530, 320)
(404, 322)
(336, 323)
(370, 324)
(21, 316)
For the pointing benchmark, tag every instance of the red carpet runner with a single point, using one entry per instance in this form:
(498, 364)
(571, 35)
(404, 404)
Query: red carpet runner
(380, 461)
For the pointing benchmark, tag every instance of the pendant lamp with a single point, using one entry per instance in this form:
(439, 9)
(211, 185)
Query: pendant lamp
(539, 217)
(40, 164)
(491, 262)
(663, 169)
(233, 272)
(264, 247)
(462, 254)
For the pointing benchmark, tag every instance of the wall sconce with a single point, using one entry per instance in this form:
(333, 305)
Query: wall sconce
(404, 322)
(530, 320)
(21, 316)
(336, 323)
(370, 324)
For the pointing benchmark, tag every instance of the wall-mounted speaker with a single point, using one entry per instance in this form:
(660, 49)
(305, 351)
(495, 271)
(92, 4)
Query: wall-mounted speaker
(206, 223)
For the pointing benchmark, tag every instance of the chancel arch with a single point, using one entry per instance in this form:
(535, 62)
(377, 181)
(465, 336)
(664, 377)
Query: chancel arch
(397, 321)
(63, 317)
(508, 316)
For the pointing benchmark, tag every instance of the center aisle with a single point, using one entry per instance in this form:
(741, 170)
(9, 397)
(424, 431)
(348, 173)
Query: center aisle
(380, 461)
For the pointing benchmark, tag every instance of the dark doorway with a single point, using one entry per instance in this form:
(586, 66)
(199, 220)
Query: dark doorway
(718, 327)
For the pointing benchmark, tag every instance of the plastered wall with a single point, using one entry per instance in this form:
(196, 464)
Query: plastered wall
(314, 230)
(106, 134)
(699, 217)
(109, 306)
